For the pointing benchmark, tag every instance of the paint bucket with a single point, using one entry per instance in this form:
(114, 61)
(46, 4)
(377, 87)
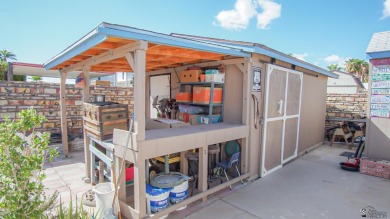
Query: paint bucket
(104, 195)
(179, 193)
(157, 198)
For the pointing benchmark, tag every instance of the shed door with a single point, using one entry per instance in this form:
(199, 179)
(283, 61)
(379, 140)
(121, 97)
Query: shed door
(282, 112)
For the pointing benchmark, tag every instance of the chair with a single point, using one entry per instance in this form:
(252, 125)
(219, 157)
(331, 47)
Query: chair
(227, 164)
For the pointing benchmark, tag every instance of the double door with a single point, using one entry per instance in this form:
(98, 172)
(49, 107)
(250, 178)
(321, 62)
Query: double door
(281, 117)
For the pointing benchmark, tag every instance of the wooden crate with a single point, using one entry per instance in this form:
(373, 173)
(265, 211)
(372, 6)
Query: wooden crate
(373, 167)
(100, 121)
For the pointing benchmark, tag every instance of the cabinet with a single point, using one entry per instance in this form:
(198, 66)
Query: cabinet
(210, 104)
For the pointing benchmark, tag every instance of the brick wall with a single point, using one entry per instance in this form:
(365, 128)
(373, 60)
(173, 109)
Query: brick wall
(345, 106)
(45, 98)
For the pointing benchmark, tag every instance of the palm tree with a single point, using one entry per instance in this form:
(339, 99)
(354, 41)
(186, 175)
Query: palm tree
(334, 67)
(7, 55)
(357, 67)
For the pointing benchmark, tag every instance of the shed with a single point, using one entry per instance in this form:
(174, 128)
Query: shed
(274, 104)
(346, 84)
(378, 124)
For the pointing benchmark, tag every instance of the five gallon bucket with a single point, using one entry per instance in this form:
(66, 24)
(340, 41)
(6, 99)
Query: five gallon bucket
(179, 193)
(104, 195)
(157, 198)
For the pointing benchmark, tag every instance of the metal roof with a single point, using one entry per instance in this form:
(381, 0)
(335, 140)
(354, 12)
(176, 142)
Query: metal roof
(261, 49)
(379, 46)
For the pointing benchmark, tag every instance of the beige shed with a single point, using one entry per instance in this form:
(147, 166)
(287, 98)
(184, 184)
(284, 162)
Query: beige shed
(274, 104)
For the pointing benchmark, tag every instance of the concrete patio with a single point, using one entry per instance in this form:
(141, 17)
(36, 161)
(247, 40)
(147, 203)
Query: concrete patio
(312, 186)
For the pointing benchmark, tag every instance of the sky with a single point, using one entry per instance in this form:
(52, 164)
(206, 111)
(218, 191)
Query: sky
(317, 31)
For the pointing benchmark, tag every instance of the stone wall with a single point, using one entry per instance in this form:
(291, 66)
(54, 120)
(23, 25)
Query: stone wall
(45, 98)
(345, 106)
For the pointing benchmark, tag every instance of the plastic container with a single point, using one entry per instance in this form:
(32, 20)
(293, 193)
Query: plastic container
(104, 195)
(157, 198)
(179, 193)
(192, 109)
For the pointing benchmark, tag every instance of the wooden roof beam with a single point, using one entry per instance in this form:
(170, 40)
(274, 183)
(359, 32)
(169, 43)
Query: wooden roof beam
(108, 56)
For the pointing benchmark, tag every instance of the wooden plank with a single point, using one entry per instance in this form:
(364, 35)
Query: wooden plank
(198, 196)
(131, 155)
(140, 186)
(122, 183)
(64, 123)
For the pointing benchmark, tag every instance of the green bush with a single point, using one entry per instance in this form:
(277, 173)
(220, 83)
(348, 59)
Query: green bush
(21, 167)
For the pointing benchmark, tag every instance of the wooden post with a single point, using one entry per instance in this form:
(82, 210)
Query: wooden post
(10, 72)
(87, 141)
(64, 123)
(203, 156)
(140, 186)
(122, 183)
(246, 113)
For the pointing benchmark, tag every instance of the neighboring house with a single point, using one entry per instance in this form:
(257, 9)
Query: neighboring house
(346, 84)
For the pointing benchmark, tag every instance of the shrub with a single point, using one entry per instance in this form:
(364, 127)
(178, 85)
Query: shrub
(21, 167)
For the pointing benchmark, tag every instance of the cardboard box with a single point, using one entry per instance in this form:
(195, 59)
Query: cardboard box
(184, 97)
(220, 78)
(202, 95)
(190, 76)
(373, 167)
(184, 117)
(101, 83)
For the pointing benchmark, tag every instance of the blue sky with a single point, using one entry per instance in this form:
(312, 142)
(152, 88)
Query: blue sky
(321, 32)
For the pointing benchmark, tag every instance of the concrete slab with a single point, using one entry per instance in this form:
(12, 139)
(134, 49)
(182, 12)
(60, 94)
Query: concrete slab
(313, 186)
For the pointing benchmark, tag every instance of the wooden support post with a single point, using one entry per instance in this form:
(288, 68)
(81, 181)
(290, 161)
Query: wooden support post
(139, 92)
(64, 123)
(203, 156)
(87, 141)
(101, 172)
(183, 163)
(246, 114)
(140, 186)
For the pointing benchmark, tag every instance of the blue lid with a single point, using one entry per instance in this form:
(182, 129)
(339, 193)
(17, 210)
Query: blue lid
(154, 191)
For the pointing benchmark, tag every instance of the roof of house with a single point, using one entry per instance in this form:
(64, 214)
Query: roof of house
(164, 51)
(357, 80)
(379, 46)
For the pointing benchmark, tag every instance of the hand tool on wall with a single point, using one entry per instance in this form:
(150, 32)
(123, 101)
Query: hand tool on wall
(256, 110)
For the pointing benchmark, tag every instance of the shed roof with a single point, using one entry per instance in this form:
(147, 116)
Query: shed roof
(379, 46)
(354, 77)
(164, 51)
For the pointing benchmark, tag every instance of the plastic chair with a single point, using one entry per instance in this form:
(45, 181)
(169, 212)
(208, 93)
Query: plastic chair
(227, 164)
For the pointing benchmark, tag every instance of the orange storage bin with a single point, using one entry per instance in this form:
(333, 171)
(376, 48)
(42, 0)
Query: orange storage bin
(184, 97)
(190, 76)
(202, 95)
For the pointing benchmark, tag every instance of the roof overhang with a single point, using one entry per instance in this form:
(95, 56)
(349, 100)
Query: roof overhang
(29, 69)
(264, 50)
(163, 51)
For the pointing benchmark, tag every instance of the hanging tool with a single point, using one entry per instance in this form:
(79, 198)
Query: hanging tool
(256, 110)
(123, 164)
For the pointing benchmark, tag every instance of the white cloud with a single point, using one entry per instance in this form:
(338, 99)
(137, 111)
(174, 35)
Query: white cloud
(245, 10)
(386, 9)
(271, 11)
(239, 17)
(335, 59)
(301, 56)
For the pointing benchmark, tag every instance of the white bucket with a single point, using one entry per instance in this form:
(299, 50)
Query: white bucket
(157, 198)
(179, 193)
(104, 195)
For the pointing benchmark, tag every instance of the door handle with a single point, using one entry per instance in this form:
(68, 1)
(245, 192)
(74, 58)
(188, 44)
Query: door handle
(280, 106)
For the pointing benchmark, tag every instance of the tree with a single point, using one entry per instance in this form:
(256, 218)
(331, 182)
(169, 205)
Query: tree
(334, 67)
(36, 78)
(6, 55)
(357, 67)
(21, 167)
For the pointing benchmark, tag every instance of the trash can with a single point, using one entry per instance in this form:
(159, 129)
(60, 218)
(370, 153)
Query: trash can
(104, 195)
